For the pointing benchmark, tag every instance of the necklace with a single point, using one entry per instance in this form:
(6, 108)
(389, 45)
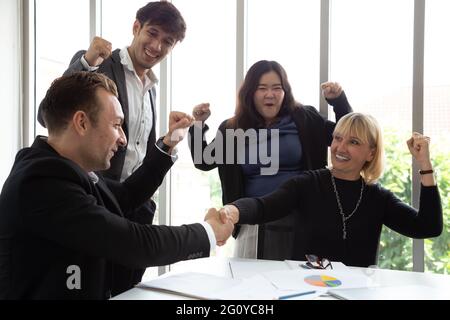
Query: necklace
(341, 211)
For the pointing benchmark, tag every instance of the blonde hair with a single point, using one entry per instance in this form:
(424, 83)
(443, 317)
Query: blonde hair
(365, 128)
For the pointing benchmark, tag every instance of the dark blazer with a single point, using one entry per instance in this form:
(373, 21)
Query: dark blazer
(315, 134)
(52, 217)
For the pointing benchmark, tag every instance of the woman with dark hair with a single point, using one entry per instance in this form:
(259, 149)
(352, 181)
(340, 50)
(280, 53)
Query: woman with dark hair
(301, 136)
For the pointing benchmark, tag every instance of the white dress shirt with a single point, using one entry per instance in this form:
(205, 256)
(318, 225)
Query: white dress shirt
(140, 114)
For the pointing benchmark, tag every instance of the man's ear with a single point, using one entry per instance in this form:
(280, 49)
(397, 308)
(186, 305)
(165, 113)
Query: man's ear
(80, 122)
(136, 27)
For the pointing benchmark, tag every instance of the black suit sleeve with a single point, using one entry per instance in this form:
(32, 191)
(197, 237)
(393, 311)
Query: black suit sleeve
(61, 210)
(143, 183)
(75, 64)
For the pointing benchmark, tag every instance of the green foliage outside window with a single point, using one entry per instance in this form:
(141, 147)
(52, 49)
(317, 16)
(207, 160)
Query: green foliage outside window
(395, 251)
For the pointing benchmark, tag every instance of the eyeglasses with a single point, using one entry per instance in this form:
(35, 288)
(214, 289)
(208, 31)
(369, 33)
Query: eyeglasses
(315, 262)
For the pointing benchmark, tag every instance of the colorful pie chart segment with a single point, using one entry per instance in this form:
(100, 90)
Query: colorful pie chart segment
(323, 281)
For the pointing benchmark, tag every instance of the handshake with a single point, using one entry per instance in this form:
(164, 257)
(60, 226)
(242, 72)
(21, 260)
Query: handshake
(222, 222)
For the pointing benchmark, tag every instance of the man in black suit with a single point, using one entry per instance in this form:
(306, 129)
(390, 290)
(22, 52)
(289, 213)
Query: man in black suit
(158, 27)
(64, 230)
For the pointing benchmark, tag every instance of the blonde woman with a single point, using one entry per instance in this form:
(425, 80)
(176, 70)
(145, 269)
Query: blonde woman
(341, 210)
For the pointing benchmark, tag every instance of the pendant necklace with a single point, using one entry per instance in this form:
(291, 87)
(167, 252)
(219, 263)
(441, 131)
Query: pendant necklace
(341, 210)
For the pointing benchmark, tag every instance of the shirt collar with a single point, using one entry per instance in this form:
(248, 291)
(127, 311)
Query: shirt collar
(93, 177)
(125, 59)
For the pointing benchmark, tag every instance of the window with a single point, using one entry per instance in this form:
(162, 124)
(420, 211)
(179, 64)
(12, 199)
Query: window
(10, 85)
(58, 36)
(203, 70)
(371, 55)
(373, 63)
(117, 21)
(436, 122)
(289, 33)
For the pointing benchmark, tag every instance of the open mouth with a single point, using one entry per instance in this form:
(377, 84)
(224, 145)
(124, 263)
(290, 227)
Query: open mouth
(341, 157)
(150, 54)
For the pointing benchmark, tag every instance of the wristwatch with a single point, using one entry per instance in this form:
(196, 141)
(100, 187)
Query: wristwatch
(422, 172)
(160, 144)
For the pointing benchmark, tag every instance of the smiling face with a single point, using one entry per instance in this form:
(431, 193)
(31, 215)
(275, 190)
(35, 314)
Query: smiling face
(357, 148)
(151, 44)
(269, 96)
(349, 154)
(103, 138)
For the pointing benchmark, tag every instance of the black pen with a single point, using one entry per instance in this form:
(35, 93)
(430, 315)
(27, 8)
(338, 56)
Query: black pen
(231, 269)
(296, 295)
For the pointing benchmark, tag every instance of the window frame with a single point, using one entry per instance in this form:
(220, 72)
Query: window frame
(28, 119)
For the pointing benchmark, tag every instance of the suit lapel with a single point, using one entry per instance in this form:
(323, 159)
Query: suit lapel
(119, 76)
(152, 137)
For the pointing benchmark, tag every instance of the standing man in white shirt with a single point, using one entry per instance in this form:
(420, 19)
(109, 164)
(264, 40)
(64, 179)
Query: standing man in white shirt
(158, 27)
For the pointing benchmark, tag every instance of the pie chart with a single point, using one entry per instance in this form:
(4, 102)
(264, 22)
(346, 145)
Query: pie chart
(323, 281)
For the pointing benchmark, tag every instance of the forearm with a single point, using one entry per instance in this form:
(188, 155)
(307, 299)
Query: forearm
(341, 106)
(427, 179)
(408, 221)
(75, 64)
(430, 211)
(249, 211)
(197, 145)
(261, 210)
(273, 206)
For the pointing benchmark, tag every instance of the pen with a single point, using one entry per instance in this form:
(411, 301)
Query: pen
(296, 295)
(231, 270)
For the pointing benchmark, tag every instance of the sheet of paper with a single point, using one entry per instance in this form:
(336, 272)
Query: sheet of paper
(191, 284)
(253, 288)
(408, 292)
(258, 287)
(246, 268)
(318, 279)
(205, 286)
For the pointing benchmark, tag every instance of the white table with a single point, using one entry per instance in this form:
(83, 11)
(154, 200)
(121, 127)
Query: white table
(220, 267)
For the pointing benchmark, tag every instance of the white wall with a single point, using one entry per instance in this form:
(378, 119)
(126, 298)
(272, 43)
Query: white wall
(9, 84)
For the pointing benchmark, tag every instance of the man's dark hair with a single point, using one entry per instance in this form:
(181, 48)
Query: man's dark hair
(69, 94)
(165, 15)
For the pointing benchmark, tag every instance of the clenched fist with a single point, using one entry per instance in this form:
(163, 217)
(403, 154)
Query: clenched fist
(331, 90)
(201, 112)
(98, 51)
